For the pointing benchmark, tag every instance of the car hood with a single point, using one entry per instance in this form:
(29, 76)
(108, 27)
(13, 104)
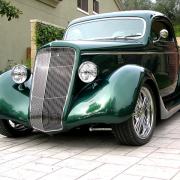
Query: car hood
(99, 45)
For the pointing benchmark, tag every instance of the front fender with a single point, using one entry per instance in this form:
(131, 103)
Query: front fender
(14, 99)
(111, 101)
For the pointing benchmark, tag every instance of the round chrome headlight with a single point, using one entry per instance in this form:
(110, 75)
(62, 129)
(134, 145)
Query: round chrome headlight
(87, 72)
(19, 74)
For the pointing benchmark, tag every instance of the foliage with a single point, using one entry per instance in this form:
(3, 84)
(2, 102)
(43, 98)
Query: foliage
(28, 63)
(168, 7)
(171, 8)
(177, 30)
(8, 10)
(136, 4)
(46, 33)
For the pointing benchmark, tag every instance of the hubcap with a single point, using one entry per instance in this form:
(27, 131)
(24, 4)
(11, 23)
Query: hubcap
(143, 116)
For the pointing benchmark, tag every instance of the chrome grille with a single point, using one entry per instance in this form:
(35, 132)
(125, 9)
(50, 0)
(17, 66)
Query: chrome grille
(51, 80)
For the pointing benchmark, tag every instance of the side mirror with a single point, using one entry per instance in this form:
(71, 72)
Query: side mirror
(162, 35)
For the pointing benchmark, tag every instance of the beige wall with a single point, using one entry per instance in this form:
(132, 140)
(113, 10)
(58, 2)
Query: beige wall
(178, 40)
(107, 6)
(15, 35)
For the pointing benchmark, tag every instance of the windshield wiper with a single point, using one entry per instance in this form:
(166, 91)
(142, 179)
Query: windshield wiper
(127, 37)
(117, 37)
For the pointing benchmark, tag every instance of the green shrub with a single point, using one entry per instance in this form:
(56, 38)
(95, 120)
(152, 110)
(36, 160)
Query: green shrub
(27, 63)
(46, 33)
(6, 9)
(177, 30)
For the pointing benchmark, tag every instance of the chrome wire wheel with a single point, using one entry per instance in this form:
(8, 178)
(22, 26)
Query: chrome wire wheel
(139, 128)
(144, 114)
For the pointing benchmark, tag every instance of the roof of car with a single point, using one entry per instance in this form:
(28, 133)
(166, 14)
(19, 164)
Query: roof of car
(147, 14)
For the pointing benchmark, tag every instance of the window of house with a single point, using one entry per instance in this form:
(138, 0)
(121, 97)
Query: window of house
(95, 6)
(83, 5)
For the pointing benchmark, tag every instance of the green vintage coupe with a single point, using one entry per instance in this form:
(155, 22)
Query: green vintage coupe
(119, 69)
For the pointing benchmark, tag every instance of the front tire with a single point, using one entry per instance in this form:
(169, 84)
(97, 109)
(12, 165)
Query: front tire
(139, 129)
(11, 129)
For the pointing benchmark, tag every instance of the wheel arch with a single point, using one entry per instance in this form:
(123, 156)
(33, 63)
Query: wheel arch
(155, 90)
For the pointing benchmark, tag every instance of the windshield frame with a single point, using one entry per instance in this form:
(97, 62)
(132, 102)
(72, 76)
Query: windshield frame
(104, 19)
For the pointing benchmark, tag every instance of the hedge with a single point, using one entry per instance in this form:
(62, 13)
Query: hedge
(46, 33)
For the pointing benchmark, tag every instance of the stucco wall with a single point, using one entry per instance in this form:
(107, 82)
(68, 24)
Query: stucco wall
(107, 6)
(178, 40)
(15, 35)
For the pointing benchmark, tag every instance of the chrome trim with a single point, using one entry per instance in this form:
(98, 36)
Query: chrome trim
(123, 52)
(50, 98)
(79, 71)
(32, 87)
(104, 19)
(61, 66)
(73, 71)
(26, 69)
(143, 116)
(65, 103)
(68, 87)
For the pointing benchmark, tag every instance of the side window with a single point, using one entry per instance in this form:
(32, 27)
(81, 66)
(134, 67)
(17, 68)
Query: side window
(96, 6)
(83, 5)
(157, 27)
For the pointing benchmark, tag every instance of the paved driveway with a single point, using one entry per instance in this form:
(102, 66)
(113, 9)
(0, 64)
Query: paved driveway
(92, 156)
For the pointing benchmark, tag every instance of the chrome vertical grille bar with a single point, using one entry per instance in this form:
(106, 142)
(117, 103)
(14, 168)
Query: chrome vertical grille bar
(52, 76)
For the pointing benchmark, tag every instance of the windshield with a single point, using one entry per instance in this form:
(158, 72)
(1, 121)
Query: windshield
(109, 28)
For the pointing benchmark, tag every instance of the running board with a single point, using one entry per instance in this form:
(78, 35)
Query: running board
(99, 129)
(165, 114)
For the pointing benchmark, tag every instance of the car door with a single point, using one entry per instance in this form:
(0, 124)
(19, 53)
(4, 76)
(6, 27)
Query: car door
(166, 50)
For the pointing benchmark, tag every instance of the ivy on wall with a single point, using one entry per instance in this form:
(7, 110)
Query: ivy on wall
(46, 33)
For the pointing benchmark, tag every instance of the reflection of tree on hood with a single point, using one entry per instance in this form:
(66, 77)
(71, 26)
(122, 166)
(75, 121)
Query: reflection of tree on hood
(8, 109)
(6, 9)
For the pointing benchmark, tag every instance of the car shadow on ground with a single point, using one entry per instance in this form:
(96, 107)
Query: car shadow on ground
(84, 138)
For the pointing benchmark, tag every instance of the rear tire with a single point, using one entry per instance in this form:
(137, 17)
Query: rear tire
(11, 129)
(139, 129)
